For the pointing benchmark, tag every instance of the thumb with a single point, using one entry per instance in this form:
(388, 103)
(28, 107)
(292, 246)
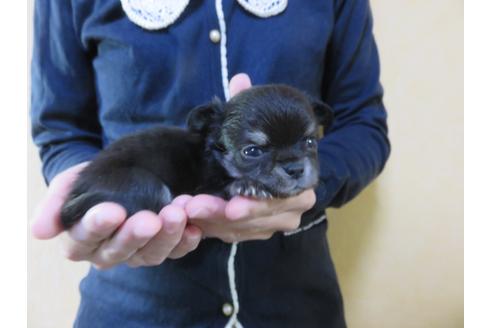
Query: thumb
(238, 83)
(46, 221)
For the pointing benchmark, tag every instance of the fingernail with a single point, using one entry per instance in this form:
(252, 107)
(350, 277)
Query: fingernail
(172, 224)
(101, 219)
(95, 214)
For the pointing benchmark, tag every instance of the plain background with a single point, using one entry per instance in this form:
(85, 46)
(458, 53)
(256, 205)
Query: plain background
(398, 247)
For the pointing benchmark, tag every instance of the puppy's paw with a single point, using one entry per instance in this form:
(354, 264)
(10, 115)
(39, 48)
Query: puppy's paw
(248, 189)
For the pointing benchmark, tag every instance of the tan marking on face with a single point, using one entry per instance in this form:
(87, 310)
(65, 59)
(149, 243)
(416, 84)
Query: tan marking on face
(312, 128)
(257, 137)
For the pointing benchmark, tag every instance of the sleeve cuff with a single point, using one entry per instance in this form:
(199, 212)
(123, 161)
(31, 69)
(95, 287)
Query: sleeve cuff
(330, 184)
(61, 158)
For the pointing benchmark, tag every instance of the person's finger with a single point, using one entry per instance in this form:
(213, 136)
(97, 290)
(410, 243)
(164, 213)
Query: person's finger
(205, 207)
(284, 222)
(62, 182)
(97, 225)
(238, 83)
(242, 207)
(181, 200)
(133, 235)
(192, 236)
(173, 220)
(46, 222)
(261, 228)
(302, 202)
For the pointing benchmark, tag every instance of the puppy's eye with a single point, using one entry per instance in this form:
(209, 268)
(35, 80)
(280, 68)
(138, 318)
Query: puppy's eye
(252, 151)
(310, 142)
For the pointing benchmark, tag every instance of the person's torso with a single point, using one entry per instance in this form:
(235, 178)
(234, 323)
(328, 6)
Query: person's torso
(147, 77)
(153, 77)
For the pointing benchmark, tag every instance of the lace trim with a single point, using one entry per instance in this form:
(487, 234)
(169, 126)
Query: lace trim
(264, 8)
(154, 14)
(158, 14)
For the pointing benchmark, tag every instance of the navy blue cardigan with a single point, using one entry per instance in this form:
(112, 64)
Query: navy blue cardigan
(97, 76)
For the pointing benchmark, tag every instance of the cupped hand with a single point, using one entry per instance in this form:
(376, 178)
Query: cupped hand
(243, 218)
(105, 237)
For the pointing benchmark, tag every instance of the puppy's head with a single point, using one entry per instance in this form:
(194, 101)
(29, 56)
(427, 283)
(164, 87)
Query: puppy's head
(267, 136)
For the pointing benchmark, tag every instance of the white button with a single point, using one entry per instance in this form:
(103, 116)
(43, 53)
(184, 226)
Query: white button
(227, 309)
(214, 36)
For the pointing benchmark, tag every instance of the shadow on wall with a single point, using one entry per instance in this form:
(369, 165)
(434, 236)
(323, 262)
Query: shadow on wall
(351, 230)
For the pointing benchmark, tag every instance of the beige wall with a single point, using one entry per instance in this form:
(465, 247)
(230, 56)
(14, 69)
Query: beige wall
(398, 247)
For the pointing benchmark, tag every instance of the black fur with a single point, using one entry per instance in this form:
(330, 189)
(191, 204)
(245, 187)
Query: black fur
(147, 169)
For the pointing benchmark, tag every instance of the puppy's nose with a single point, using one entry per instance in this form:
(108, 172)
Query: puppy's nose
(295, 170)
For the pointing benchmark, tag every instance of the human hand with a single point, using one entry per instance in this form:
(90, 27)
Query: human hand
(103, 236)
(243, 218)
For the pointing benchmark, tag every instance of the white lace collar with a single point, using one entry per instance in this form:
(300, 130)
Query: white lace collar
(157, 14)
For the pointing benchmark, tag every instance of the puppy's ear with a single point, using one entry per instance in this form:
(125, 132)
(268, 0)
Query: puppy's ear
(323, 112)
(202, 117)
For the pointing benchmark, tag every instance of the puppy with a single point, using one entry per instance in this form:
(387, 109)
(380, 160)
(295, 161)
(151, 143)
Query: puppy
(262, 143)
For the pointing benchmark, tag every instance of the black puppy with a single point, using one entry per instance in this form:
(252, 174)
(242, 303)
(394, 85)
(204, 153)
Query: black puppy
(261, 143)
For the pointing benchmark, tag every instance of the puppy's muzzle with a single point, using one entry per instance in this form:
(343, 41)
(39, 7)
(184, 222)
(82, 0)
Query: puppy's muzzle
(294, 170)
